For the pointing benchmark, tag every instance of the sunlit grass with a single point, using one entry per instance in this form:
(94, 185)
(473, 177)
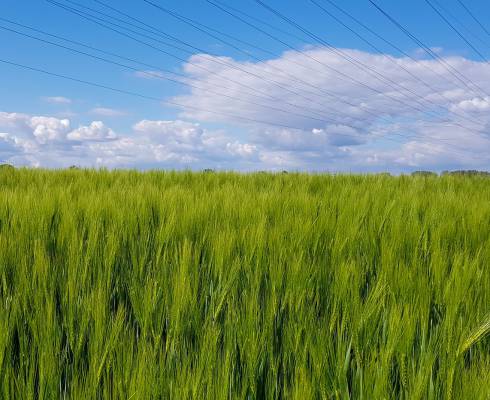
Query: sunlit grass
(222, 286)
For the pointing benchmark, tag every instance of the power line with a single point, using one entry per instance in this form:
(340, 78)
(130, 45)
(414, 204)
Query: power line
(352, 60)
(266, 95)
(151, 31)
(155, 74)
(307, 109)
(453, 71)
(472, 15)
(373, 46)
(261, 21)
(194, 24)
(288, 46)
(397, 48)
(348, 58)
(199, 26)
(246, 43)
(119, 64)
(152, 98)
(211, 72)
(188, 20)
(128, 16)
(219, 113)
(369, 43)
(456, 30)
(461, 23)
(205, 28)
(222, 62)
(222, 7)
(214, 3)
(315, 59)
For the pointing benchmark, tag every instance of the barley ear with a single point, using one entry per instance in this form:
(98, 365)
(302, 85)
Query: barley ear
(476, 335)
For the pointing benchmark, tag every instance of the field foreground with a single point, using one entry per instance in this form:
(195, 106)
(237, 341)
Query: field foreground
(224, 286)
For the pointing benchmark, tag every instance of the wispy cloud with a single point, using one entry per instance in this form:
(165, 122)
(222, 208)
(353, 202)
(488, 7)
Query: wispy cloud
(57, 100)
(107, 112)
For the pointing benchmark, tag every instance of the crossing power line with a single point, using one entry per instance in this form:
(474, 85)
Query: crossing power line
(467, 82)
(432, 89)
(100, 21)
(138, 29)
(154, 74)
(344, 77)
(474, 17)
(456, 30)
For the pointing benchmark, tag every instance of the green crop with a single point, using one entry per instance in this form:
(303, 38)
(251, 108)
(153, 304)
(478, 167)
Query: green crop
(180, 285)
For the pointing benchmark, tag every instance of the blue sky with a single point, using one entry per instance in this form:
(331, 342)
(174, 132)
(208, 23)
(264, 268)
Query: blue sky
(49, 122)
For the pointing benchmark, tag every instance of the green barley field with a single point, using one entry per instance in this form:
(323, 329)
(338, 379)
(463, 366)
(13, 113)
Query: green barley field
(181, 285)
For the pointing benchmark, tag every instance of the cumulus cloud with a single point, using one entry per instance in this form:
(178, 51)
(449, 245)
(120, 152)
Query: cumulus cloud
(95, 131)
(51, 142)
(407, 114)
(308, 94)
(47, 141)
(39, 129)
(187, 142)
(46, 129)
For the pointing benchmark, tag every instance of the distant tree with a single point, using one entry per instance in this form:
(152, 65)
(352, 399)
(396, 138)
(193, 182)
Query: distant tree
(470, 172)
(424, 173)
(6, 167)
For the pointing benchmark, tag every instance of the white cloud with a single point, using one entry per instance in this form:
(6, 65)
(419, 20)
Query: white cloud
(186, 142)
(325, 97)
(95, 131)
(38, 129)
(44, 130)
(473, 105)
(244, 150)
(47, 129)
(52, 142)
(171, 131)
(325, 122)
(340, 124)
(57, 100)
